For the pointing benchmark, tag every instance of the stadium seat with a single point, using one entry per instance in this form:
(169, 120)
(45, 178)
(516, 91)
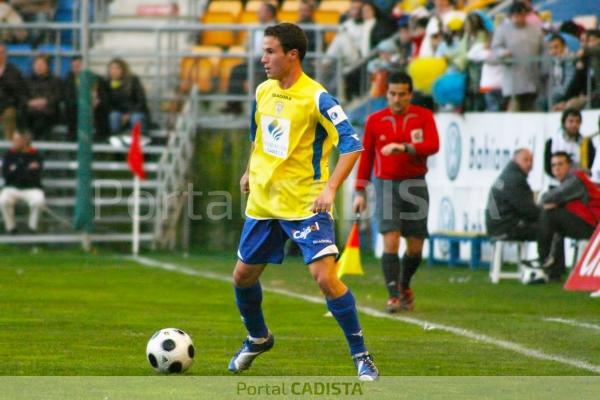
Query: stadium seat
(291, 5)
(218, 38)
(233, 7)
(246, 17)
(21, 61)
(228, 61)
(339, 6)
(327, 17)
(287, 16)
(201, 69)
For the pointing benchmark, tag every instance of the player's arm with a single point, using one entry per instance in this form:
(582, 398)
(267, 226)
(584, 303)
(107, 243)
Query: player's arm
(245, 179)
(344, 165)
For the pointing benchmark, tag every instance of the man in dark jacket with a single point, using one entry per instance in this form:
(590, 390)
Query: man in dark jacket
(571, 209)
(511, 211)
(12, 93)
(44, 98)
(22, 171)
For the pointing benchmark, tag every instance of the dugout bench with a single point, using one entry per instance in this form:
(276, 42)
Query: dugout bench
(454, 239)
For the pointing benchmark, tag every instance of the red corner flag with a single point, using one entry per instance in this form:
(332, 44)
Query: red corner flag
(349, 262)
(135, 157)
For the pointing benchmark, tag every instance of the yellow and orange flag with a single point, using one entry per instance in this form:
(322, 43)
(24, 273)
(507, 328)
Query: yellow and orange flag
(349, 262)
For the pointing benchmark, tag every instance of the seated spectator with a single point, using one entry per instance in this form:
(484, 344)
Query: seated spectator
(405, 45)
(511, 212)
(379, 68)
(99, 102)
(568, 139)
(560, 69)
(126, 98)
(238, 80)
(13, 94)
(8, 15)
(518, 43)
(38, 11)
(22, 168)
(43, 101)
(571, 209)
(587, 67)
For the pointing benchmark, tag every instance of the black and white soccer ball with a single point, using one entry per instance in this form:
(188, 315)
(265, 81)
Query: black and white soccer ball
(532, 273)
(170, 350)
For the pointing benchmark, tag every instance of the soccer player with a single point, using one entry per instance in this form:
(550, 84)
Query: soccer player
(398, 140)
(294, 125)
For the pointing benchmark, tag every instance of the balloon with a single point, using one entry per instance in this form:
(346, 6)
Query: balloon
(425, 70)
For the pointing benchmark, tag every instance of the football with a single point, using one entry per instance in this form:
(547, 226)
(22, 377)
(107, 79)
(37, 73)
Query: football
(170, 350)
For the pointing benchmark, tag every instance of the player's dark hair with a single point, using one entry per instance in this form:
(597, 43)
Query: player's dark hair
(564, 154)
(290, 36)
(401, 77)
(568, 113)
(556, 36)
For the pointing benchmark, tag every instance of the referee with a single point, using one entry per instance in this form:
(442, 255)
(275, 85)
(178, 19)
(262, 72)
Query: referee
(398, 140)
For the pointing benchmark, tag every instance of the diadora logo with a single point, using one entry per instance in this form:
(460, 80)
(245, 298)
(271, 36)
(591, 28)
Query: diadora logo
(303, 234)
(275, 129)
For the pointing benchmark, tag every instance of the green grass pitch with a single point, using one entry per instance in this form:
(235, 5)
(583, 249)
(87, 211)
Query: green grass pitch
(69, 313)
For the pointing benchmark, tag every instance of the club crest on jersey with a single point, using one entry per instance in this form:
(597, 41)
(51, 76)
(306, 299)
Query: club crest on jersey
(416, 135)
(303, 234)
(278, 107)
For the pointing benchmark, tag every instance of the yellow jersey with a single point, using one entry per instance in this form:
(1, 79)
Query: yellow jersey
(293, 131)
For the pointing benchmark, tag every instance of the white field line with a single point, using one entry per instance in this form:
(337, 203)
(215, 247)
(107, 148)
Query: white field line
(572, 322)
(428, 325)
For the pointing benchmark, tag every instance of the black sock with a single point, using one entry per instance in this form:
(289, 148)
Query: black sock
(409, 267)
(390, 265)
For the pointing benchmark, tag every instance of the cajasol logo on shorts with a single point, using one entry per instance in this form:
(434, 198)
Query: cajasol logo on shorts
(303, 234)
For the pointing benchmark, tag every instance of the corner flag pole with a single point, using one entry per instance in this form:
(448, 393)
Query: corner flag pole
(135, 159)
(135, 243)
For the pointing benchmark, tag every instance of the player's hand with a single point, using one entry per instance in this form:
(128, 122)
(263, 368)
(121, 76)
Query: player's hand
(360, 204)
(324, 202)
(245, 183)
(393, 148)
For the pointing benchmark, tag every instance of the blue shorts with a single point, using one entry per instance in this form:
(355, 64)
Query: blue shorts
(262, 240)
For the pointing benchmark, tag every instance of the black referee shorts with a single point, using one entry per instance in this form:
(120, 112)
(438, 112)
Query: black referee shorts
(402, 206)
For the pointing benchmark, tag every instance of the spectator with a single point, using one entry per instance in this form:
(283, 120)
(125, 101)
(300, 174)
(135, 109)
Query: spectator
(39, 11)
(238, 80)
(560, 69)
(306, 12)
(404, 44)
(13, 94)
(8, 15)
(517, 43)
(43, 102)
(476, 44)
(376, 27)
(586, 74)
(418, 34)
(511, 212)
(443, 13)
(569, 140)
(126, 98)
(99, 100)
(22, 168)
(595, 168)
(379, 68)
(570, 210)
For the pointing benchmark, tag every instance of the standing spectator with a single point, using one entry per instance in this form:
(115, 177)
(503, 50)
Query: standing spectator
(568, 139)
(13, 94)
(126, 98)
(571, 209)
(99, 100)
(22, 168)
(376, 27)
(518, 44)
(8, 15)
(443, 13)
(511, 212)
(397, 141)
(44, 95)
(476, 42)
(238, 80)
(39, 11)
(560, 69)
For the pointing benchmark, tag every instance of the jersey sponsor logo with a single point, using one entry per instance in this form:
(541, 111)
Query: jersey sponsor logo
(303, 233)
(336, 114)
(416, 135)
(276, 135)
